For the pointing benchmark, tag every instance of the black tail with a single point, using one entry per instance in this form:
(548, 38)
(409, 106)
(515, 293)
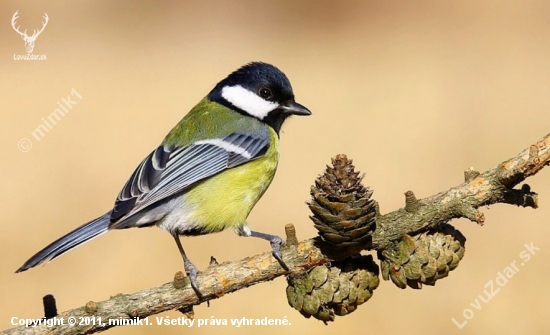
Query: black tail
(73, 239)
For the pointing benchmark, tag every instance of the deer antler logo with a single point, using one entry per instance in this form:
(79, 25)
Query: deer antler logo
(29, 40)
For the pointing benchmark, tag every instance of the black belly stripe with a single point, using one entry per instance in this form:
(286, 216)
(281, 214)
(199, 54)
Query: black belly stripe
(195, 231)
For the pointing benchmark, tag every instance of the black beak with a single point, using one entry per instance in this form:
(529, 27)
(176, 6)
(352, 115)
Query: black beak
(295, 108)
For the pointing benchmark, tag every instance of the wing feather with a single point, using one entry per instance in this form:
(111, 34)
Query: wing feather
(171, 170)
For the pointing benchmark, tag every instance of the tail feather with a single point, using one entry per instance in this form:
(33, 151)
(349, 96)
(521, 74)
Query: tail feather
(73, 239)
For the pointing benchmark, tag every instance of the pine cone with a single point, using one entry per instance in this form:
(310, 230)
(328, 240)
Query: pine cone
(424, 258)
(343, 211)
(338, 289)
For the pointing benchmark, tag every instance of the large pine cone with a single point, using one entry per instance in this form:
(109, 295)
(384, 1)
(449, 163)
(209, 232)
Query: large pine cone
(343, 211)
(424, 258)
(326, 291)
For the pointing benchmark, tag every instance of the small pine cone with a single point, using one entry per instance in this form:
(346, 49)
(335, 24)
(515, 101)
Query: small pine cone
(342, 208)
(424, 258)
(326, 291)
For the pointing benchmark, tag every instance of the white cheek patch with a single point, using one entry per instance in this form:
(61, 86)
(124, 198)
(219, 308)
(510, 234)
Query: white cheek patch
(228, 146)
(248, 101)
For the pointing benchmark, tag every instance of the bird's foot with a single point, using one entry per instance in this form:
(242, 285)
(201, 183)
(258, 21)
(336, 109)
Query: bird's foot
(276, 243)
(190, 268)
(192, 272)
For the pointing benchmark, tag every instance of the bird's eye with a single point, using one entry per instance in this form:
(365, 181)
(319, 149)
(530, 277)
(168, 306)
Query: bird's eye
(265, 93)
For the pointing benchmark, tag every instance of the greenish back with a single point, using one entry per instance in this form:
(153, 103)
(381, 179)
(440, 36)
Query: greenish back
(209, 120)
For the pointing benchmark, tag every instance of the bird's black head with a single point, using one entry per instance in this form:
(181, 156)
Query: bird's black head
(259, 90)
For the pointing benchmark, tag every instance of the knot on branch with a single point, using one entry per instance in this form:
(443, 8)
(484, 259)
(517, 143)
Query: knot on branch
(512, 172)
(180, 280)
(377, 209)
(187, 311)
(472, 214)
(213, 261)
(291, 238)
(90, 307)
(412, 205)
(50, 306)
(522, 197)
(470, 175)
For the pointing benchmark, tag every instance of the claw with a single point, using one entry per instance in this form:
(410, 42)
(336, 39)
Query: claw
(276, 243)
(190, 269)
(192, 272)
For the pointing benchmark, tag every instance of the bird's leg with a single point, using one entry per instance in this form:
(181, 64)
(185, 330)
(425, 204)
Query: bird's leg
(190, 268)
(276, 243)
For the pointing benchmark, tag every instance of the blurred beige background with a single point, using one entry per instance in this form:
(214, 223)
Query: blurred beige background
(415, 92)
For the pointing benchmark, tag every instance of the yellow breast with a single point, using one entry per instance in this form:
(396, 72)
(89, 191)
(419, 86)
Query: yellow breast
(225, 200)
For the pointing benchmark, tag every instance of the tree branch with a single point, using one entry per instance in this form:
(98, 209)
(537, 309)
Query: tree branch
(462, 201)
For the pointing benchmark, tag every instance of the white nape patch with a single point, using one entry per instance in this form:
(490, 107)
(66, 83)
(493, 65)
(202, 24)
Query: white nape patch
(248, 101)
(228, 146)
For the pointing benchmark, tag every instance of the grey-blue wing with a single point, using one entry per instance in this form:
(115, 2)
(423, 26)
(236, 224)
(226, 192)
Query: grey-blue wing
(170, 170)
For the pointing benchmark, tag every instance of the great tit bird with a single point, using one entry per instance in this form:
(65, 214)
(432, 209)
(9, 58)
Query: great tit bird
(209, 171)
